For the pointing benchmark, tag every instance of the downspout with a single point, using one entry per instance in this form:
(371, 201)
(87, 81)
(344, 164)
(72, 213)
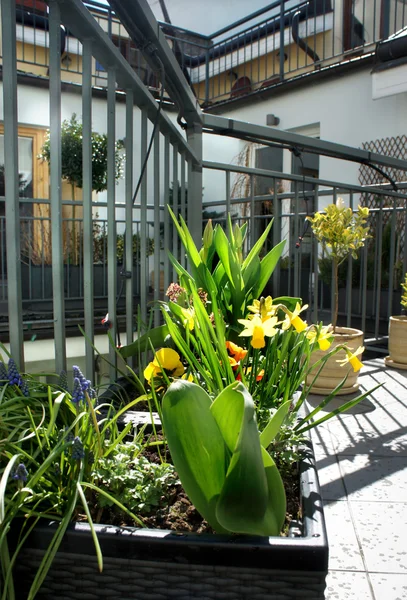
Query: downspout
(298, 40)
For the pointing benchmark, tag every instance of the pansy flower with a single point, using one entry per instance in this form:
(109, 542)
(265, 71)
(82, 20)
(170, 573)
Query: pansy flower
(165, 359)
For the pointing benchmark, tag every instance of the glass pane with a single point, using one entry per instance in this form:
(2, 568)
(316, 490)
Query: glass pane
(25, 161)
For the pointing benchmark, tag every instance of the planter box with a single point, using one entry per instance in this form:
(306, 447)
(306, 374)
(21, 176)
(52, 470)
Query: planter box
(154, 564)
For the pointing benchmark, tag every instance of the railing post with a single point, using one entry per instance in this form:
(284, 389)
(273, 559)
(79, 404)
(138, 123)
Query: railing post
(206, 100)
(282, 27)
(8, 24)
(87, 207)
(194, 137)
(56, 185)
(111, 216)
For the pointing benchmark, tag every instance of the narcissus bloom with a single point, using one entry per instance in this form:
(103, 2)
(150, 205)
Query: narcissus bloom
(324, 338)
(165, 359)
(235, 351)
(188, 315)
(263, 307)
(293, 318)
(352, 358)
(258, 329)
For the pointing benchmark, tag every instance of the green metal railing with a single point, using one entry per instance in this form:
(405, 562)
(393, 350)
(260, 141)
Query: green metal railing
(175, 158)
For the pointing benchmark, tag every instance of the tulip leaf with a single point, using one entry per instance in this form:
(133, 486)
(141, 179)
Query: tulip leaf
(157, 336)
(273, 426)
(197, 448)
(267, 267)
(243, 501)
(255, 251)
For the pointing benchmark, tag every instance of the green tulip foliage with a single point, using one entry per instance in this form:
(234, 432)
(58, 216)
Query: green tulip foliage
(218, 454)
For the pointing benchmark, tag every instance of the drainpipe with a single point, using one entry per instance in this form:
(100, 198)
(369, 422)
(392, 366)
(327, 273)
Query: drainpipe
(299, 41)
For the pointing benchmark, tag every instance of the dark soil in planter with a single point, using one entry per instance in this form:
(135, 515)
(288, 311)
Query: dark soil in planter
(177, 513)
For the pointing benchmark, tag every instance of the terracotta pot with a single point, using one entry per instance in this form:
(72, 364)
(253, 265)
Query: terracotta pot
(333, 373)
(397, 343)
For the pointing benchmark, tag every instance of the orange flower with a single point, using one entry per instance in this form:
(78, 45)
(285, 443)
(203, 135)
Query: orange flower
(236, 351)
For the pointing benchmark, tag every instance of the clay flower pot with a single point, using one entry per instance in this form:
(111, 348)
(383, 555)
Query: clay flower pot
(397, 343)
(333, 373)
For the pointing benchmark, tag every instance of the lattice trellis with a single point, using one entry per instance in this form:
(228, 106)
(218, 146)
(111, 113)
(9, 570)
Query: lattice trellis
(397, 148)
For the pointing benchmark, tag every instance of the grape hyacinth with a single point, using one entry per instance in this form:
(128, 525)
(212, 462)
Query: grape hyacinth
(3, 373)
(24, 388)
(77, 394)
(77, 449)
(21, 473)
(14, 376)
(77, 373)
(63, 381)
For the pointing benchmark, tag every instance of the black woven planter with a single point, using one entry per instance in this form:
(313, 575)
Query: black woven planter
(150, 564)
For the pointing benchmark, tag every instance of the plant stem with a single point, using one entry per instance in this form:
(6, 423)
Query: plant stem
(336, 293)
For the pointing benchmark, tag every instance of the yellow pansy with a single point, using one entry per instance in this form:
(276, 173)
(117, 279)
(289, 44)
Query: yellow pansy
(293, 318)
(263, 307)
(352, 358)
(258, 329)
(165, 359)
(324, 338)
(188, 315)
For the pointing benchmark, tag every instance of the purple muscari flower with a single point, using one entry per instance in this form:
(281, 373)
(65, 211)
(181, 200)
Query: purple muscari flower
(21, 473)
(77, 449)
(63, 381)
(24, 388)
(14, 376)
(91, 458)
(77, 394)
(3, 373)
(77, 373)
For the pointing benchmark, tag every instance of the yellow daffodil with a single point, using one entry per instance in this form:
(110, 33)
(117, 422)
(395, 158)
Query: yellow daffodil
(352, 358)
(188, 315)
(263, 307)
(324, 338)
(293, 318)
(258, 329)
(235, 351)
(165, 359)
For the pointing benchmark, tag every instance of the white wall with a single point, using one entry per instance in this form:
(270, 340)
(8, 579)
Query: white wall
(345, 111)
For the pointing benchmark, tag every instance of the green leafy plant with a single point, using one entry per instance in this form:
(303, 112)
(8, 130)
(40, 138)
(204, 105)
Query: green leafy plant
(136, 482)
(71, 162)
(221, 462)
(341, 233)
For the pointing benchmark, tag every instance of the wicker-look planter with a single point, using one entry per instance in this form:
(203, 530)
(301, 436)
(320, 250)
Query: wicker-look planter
(153, 564)
(332, 373)
(397, 343)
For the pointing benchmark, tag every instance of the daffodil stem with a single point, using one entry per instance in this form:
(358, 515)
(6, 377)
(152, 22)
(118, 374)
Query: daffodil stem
(336, 293)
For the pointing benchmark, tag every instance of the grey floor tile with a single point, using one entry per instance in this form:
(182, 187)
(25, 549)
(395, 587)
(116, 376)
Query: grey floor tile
(382, 533)
(345, 585)
(372, 478)
(374, 433)
(344, 551)
(389, 587)
(330, 479)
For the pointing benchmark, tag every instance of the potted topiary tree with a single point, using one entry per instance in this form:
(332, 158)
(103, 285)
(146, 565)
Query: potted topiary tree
(341, 233)
(71, 158)
(398, 335)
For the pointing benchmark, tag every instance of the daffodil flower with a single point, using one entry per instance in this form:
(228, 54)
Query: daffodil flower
(165, 359)
(237, 352)
(293, 318)
(352, 358)
(324, 338)
(188, 315)
(263, 307)
(258, 329)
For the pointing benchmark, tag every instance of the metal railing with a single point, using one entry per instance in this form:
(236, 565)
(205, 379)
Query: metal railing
(285, 39)
(175, 158)
(370, 290)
